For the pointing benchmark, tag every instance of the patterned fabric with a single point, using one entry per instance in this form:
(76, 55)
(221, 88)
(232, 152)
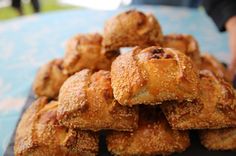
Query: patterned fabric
(28, 42)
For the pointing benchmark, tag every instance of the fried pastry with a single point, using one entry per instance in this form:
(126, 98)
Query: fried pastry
(86, 101)
(154, 136)
(184, 43)
(215, 108)
(85, 51)
(209, 62)
(153, 75)
(49, 79)
(219, 139)
(39, 134)
(132, 28)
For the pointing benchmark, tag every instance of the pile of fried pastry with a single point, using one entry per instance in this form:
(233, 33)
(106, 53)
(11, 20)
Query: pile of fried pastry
(147, 99)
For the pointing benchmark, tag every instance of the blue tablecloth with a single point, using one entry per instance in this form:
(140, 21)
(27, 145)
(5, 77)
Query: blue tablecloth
(28, 42)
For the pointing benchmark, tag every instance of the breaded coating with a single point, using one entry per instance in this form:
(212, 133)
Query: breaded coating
(154, 136)
(215, 107)
(85, 51)
(86, 101)
(152, 75)
(132, 28)
(39, 134)
(49, 79)
(209, 62)
(184, 43)
(219, 139)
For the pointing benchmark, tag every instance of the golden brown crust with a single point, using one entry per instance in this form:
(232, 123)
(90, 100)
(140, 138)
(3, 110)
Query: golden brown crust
(25, 137)
(153, 75)
(39, 134)
(49, 79)
(219, 139)
(132, 28)
(85, 51)
(87, 102)
(209, 62)
(184, 43)
(153, 137)
(215, 107)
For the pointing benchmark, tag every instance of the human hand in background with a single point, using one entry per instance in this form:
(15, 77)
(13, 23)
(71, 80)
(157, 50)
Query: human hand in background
(231, 28)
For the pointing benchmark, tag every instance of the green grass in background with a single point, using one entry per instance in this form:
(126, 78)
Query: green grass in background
(46, 5)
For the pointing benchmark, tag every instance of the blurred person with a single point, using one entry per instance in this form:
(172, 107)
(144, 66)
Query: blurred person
(18, 6)
(35, 5)
(223, 13)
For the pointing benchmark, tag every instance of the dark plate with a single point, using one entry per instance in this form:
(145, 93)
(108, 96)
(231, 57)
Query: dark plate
(196, 149)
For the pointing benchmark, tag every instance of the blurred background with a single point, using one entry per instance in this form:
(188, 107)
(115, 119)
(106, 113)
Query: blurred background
(32, 32)
(13, 8)
(9, 12)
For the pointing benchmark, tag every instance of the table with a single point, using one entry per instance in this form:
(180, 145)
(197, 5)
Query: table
(28, 42)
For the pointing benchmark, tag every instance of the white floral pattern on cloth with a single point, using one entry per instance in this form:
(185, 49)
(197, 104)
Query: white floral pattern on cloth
(28, 42)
